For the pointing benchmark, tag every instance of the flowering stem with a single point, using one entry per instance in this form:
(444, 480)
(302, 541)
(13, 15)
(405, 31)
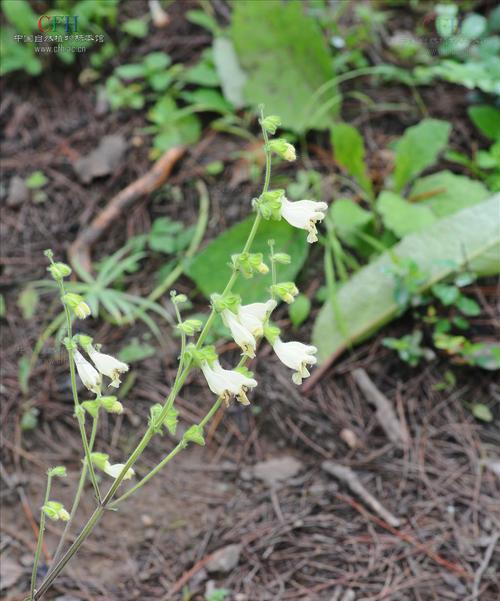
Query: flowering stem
(78, 494)
(80, 415)
(39, 543)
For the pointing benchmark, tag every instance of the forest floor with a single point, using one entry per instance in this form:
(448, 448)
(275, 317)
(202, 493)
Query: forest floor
(301, 533)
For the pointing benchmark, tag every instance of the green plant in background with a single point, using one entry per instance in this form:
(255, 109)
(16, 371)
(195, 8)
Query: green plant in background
(409, 348)
(484, 164)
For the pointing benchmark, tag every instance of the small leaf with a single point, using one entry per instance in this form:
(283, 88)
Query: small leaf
(23, 372)
(468, 306)
(202, 19)
(195, 434)
(482, 412)
(349, 151)
(29, 419)
(171, 420)
(136, 351)
(132, 71)
(36, 180)
(418, 149)
(349, 219)
(28, 302)
(299, 310)
(486, 119)
(137, 28)
(445, 293)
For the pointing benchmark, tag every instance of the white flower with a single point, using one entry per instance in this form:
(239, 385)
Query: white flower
(253, 316)
(304, 214)
(227, 383)
(114, 470)
(296, 356)
(242, 336)
(107, 365)
(89, 376)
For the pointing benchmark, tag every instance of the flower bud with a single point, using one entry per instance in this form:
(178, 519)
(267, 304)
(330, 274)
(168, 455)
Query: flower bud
(194, 434)
(178, 298)
(59, 271)
(281, 258)
(55, 511)
(111, 405)
(59, 471)
(285, 290)
(271, 123)
(76, 303)
(269, 204)
(283, 149)
(227, 301)
(190, 326)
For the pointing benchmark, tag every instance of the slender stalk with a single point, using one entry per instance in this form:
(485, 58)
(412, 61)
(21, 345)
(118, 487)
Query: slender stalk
(39, 542)
(78, 494)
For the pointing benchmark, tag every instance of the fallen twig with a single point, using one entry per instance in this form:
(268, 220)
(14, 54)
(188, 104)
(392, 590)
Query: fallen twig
(345, 474)
(79, 251)
(484, 564)
(385, 413)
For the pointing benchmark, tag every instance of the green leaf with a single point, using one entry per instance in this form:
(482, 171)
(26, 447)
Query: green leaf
(447, 294)
(287, 239)
(366, 302)
(468, 306)
(203, 19)
(402, 217)
(299, 310)
(418, 149)
(36, 180)
(21, 15)
(286, 60)
(156, 61)
(132, 71)
(195, 434)
(231, 75)
(137, 28)
(136, 351)
(28, 302)
(486, 119)
(349, 149)
(168, 236)
(29, 419)
(445, 193)
(208, 100)
(482, 412)
(23, 373)
(349, 219)
(171, 420)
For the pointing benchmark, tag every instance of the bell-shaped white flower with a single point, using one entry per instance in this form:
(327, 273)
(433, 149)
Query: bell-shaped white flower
(226, 383)
(296, 356)
(107, 365)
(115, 469)
(304, 214)
(253, 316)
(89, 376)
(242, 336)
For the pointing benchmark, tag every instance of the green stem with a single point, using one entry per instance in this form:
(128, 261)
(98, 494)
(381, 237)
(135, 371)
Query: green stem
(39, 543)
(78, 494)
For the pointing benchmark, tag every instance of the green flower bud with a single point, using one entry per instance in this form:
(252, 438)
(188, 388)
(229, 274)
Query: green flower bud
(55, 511)
(282, 258)
(100, 460)
(271, 123)
(283, 149)
(59, 471)
(269, 204)
(178, 298)
(228, 301)
(84, 341)
(111, 405)
(59, 271)
(206, 354)
(76, 303)
(285, 290)
(92, 407)
(190, 326)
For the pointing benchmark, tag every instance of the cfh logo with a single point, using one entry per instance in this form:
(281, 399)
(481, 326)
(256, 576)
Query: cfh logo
(56, 22)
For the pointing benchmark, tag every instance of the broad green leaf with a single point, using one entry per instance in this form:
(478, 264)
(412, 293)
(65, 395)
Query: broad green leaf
(367, 302)
(131, 71)
(349, 149)
(20, 14)
(28, 302)
(445, 193)
(349, 219)
(210, 270)
(231, 75)
(156, 61)
(286, 59)
(418, 149)
(486, 119)
(137, 28)
(299, 310)
(402, 217)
